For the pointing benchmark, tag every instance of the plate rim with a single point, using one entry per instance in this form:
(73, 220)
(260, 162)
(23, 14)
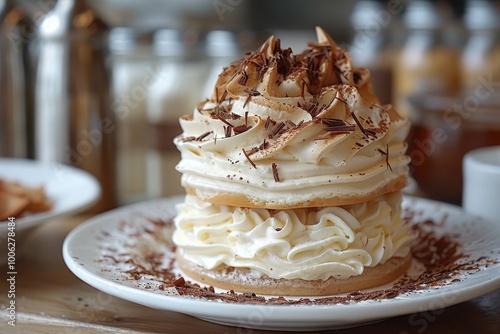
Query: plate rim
(184, 304)
(93, 194)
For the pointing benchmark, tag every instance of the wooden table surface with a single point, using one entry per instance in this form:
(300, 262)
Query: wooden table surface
(50, 299)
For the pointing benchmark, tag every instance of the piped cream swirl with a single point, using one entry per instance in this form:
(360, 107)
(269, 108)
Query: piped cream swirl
(283, 130)
(302, 243)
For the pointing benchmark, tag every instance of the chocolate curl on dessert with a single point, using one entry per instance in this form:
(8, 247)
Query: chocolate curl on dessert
(323, 64)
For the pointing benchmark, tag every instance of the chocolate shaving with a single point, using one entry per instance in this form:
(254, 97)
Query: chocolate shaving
(312, 108)
(227, 131)
(386, 153)
(263, 145)
(284, 60)
(330, 121)
(240, 129)
(252, 151)
(249, 97)
(188, 139)
(276, 130)
(180, 282)
(370, 132)
(223, 120)
(252, 92)
(202, 136)
(243, 78)
(248, 158)
(341, 129)
(338, 126)
(314, 59)
(356, 76)
(234, 116)
(275, 172)
(338, 98)
(269, 121)
(387, 157)
(260, 61)
(358, 123)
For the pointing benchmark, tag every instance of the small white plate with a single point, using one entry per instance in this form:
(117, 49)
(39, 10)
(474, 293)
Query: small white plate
(69, 189)
(89, 249)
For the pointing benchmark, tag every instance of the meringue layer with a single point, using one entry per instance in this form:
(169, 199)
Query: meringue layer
(283, 130)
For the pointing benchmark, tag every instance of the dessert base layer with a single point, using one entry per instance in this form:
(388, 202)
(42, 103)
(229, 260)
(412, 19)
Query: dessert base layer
(240, 279)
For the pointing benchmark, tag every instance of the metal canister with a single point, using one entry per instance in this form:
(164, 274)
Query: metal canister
(73, 121)
(16, 30)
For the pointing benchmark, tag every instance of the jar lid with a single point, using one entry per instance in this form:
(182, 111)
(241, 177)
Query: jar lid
(367, 13)
(127, 40)
(481, 15)
(222, 43)
(422, 14)
(179, 42)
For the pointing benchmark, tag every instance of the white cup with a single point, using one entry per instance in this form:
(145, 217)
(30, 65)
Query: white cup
(481, 182)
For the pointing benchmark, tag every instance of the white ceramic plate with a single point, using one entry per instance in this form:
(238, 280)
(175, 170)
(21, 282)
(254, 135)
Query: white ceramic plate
(111, 234)
(69, 189)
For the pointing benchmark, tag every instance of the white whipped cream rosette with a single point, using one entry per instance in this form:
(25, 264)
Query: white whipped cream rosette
(304, 243)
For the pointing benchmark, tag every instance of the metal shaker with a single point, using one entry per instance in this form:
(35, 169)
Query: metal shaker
(73, 121)
(16, 30)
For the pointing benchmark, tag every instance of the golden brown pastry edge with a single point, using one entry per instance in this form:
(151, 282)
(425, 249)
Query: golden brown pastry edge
(239, 200)
(239, 280)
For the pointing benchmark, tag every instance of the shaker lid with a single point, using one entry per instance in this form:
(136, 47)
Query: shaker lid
(69, 16)
(482, 15)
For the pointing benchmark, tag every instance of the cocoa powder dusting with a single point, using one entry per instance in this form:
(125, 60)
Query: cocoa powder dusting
(440, 256)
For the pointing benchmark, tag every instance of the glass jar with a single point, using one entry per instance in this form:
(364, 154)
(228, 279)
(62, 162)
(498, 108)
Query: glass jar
(429, 62)
(374, 45)
(481, 55)
(181, 71)
(133, 76)
(445, 129)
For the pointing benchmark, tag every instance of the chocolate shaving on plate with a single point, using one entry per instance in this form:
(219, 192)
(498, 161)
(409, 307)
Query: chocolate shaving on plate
(155, 270)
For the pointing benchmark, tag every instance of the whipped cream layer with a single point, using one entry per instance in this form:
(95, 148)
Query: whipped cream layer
(283, 130)
(309, 244)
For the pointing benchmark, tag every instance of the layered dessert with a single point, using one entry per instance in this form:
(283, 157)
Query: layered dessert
(293, 173)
